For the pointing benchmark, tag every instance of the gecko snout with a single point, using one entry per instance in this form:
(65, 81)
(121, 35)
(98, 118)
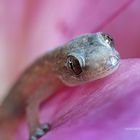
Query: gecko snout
(112, 61)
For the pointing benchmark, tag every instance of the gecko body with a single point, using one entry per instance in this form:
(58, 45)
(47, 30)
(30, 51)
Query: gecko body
(86, 58)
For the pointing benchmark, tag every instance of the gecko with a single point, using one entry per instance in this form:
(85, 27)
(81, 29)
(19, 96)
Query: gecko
(87, 57)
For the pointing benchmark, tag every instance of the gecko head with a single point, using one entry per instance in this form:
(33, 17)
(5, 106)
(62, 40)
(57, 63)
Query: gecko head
(90, 57)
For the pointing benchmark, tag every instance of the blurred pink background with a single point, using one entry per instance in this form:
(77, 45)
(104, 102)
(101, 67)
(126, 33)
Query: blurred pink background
(29, 28)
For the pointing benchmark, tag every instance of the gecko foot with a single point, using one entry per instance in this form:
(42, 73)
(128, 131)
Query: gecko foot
(40, 131)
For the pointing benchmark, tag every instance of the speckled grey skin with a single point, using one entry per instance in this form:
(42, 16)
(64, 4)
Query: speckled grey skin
(97, 56)
(83, 59)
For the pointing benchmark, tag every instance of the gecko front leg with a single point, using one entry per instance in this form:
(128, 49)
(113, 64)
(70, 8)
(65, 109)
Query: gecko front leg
(45, 90)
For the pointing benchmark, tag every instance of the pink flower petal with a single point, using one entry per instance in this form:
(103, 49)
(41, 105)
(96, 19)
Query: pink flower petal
(101, 110)
(106, 109)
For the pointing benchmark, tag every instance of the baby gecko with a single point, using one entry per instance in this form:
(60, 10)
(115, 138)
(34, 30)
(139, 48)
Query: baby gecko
(86, 58)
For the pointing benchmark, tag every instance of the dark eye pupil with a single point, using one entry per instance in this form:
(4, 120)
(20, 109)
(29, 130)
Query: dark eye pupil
(74, 65)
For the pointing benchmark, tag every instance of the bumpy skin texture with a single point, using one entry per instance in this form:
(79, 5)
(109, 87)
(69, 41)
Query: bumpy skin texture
(83, 59)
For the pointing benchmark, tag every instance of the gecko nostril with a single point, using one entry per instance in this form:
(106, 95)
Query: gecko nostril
(112, 61)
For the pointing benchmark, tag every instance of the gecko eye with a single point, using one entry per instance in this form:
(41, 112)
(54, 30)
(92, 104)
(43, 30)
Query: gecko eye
(73, 64)
(108, 39)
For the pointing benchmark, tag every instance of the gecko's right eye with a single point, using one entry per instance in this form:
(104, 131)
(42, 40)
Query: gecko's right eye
(74, 65)
(108, 39)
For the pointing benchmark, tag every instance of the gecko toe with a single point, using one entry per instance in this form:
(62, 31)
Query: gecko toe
(40, 131)
(45, 127)
(33, 138)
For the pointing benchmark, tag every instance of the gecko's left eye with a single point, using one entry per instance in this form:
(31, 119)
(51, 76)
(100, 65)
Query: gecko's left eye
(108, 39)
(74, 65)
